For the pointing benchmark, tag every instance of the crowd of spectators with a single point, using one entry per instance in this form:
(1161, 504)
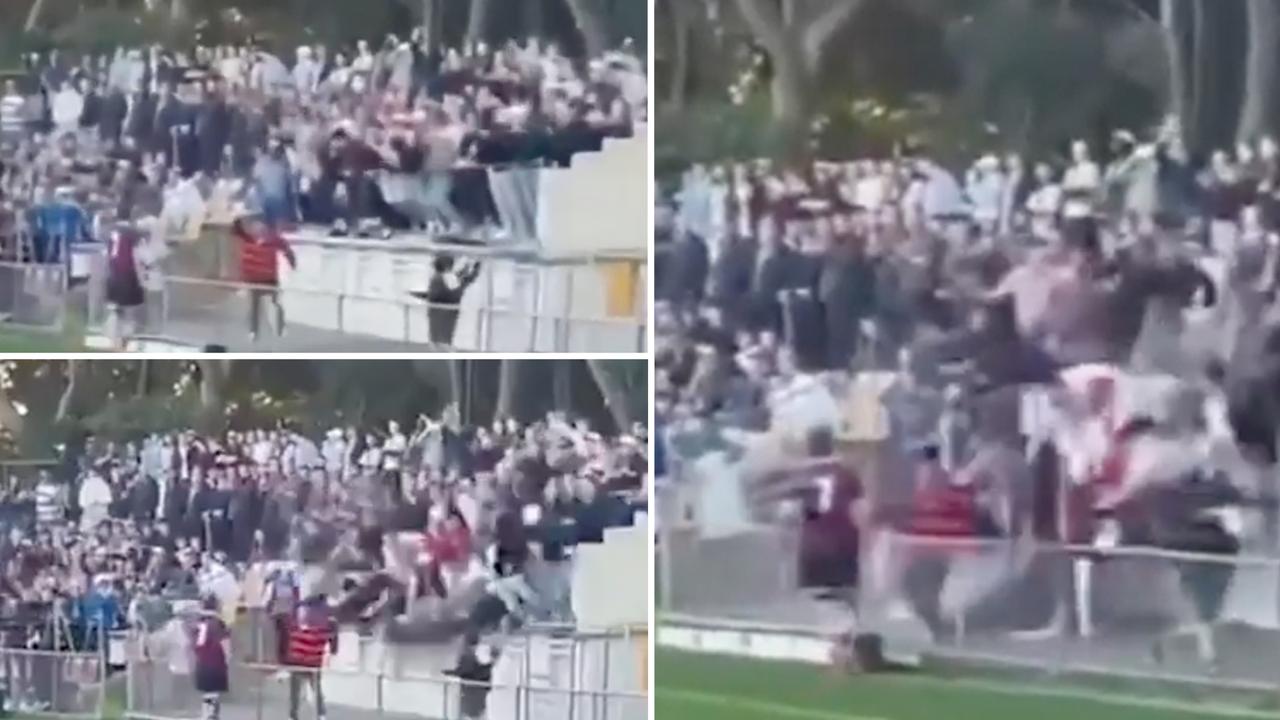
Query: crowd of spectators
(440, 533)
(138, 149)
(1108, 326)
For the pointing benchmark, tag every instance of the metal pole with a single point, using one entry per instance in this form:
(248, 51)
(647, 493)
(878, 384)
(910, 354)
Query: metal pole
(573, 675)
(487, 343)
(525, 673)
(103, 665)
(604, 681)
(537, 308)
(381, 707)
(131, 653)
(261, 678)
(567, 328)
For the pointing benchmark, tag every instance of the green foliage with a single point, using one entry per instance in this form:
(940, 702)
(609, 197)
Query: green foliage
(124, 400)
(963, 76)
(133, 417)
(1042, 78)
(714, 131)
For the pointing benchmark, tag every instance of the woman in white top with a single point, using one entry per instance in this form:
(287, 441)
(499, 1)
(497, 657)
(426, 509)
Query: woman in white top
(1045, 203)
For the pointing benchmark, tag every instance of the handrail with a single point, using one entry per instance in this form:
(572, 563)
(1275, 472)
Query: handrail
(268, 668)
(413, 304)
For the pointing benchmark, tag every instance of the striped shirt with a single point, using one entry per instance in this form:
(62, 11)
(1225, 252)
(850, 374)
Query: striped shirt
(310, 635)
(48, 503)
(11, 114)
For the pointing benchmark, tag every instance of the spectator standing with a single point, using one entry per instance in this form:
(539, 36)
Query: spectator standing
(211, 644)
(260, 250)
(312, 634)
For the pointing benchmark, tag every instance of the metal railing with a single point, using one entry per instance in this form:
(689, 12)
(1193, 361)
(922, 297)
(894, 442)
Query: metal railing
(161, 685)
(205, 312)
(54, 684)
(22, 473)
(1134, 612)
(160, 692)
(33, 296)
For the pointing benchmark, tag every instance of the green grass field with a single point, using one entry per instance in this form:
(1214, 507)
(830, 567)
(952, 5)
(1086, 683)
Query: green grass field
(708, 687)
(23, 341)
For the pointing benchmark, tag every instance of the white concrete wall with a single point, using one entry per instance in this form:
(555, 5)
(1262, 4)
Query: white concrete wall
(599, 204)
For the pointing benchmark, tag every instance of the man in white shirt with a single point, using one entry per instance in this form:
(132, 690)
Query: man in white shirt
(68, 106)
(1045, 203)
(12, 120)
(334, 449)
(95, 501)
(1082, 184)
(306, 74)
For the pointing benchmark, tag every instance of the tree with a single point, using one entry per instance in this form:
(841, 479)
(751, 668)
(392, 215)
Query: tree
(478, 21)
(1175, 49)
(214, 373)
(591, 23)
(797, 35)
(682, 29)
(11, 419)
(67, 401)
(508, 378)
(1260, 79)
(33, 17)
(614, 379)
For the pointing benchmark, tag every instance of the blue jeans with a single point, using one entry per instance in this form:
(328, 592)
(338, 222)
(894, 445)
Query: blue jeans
(276, 210)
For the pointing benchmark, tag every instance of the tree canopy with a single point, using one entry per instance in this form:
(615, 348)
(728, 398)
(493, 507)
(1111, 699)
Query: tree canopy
(580, 26)
(850, 77)
(46, 402)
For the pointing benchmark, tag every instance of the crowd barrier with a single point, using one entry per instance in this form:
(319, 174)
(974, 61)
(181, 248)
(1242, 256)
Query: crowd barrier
(56, 684)
(1134, 612)
(206, 311)
(368, 680)
(33, 296)
(22, 473)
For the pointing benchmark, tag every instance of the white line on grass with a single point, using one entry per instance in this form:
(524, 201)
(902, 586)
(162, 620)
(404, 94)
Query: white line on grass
(1100, 697)
(760, 706)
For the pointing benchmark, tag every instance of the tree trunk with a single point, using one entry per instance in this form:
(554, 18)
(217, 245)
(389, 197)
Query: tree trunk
(508, 378)
(792, 102)
(144, 378)
(1259, 88)
(797, 37)
(178, 11)
(478, 21)
(1196, 131)
(615, 395)
(534, 17)
(10, 419)
(456, 386)
(561, 385)
(1175, 48)
(33, 17)
(213, 393)
(683, 29)
(590, 21)
(431, 24)
(67, 401)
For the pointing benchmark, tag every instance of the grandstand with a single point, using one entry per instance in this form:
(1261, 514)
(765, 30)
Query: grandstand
(592, 669)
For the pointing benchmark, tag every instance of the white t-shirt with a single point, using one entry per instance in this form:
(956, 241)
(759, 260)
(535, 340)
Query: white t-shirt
(1082, 177)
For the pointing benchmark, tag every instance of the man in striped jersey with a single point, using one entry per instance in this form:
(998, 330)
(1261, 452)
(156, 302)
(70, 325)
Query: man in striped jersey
(312, 634)
(12, 119)
(51, 500)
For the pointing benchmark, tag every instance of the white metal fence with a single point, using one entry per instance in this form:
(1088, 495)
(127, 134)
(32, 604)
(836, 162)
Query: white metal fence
(1142, 613)
(33, 296)
(56, 684)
